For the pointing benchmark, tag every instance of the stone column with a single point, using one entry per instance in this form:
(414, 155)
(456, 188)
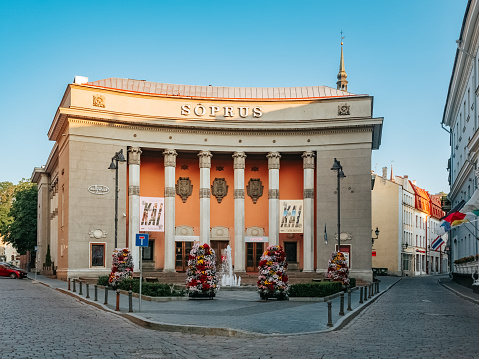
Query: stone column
(239, 166)
(308, 211)
(134, 154)
(273, 196)
(205, 191)
(170, 193)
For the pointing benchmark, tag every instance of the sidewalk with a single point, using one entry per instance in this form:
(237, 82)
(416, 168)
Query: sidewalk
(459, 290)
(231, 312)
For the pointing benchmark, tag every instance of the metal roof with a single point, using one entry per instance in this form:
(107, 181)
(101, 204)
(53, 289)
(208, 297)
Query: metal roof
(247, 93)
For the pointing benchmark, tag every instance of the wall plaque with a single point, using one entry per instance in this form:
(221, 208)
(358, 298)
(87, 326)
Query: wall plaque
(98, 189)
(184, 188)
(254, 189)
(219, 189)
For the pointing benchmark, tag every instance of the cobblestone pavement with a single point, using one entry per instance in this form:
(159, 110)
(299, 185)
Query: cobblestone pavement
(417, 318)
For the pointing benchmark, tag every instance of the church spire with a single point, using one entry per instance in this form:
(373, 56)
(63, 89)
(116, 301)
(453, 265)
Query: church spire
(342, 83)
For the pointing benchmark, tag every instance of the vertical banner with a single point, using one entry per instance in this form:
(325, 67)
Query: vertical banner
(152, 217)
(291, 216)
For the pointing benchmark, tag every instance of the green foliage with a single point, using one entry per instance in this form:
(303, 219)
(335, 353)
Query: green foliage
(48, 257)
(22, 231)
(315, 289)
(151, 289)
(6, 196)
(103, 280)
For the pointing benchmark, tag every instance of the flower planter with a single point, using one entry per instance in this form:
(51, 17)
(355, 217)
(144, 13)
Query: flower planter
(201, 281)
(192, 295)
(272, 279)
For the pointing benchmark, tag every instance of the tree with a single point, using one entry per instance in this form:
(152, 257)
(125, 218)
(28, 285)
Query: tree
(6, 196)
(22, 231)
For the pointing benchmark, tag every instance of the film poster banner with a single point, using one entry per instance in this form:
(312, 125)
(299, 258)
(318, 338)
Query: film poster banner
(152, 214)
(291, 216)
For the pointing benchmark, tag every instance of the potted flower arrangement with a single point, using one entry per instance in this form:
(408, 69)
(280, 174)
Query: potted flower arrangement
(201, 278)
(272, 279)
(121, 267)
(338, 268)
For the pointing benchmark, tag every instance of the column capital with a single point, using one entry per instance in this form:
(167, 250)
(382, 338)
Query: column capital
(134, 155)
(308, 160)
(170, 157)
(205, 159)
(273, 160)
(239, 160)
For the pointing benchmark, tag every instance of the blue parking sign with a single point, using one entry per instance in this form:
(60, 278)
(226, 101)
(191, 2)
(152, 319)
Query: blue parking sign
(142, 240)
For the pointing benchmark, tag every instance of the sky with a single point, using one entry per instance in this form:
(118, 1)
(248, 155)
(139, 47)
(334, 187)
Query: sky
(400, 52)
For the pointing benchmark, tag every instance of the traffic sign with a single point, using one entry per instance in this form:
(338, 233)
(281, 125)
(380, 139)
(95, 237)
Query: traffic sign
(142, 240)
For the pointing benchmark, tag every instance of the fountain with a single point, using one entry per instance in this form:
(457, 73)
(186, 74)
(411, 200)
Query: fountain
(228, 278)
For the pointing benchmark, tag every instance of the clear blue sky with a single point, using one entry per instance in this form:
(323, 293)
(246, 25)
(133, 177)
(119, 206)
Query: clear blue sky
(400, 52)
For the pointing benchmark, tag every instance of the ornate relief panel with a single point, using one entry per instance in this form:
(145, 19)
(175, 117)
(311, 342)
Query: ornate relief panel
(254, 189)
(219, 189)
(184, 188)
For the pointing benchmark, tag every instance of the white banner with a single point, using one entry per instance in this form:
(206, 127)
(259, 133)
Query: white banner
(152, 218)
(291, 216)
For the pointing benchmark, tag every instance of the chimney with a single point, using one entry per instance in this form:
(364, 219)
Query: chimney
(385, 172)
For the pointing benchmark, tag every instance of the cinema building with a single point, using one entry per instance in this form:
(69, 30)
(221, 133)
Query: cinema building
(245, 167)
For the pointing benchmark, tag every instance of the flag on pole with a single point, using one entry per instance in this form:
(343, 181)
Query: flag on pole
(446, 226)
(455, 216)
(437, 243)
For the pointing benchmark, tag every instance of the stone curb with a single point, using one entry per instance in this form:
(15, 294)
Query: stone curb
(463, 296)
(225, 332)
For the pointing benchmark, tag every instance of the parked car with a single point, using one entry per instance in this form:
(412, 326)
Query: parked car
(8, 270)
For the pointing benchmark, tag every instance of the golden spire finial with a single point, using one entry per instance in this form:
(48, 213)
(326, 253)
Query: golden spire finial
(342, 83)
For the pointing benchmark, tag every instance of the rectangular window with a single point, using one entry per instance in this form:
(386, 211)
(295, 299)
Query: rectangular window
(97, 254)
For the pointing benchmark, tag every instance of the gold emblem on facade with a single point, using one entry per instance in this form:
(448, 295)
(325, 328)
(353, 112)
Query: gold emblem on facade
(98, 100)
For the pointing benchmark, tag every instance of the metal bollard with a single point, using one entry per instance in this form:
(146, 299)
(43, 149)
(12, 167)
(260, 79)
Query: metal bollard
(117, 300)
(130, 301)
(69, 284)
(365, 293)
(349, 299)
(377, 287)
(74, 285)
(341, 303)
(81, 292)
(96, 292)
(106, 295)
(87, 290)
(369, 291)
(361, 295)
(330, 317)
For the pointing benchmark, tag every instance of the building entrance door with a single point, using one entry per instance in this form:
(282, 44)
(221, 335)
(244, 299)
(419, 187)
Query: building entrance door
(253, 255)
(220, 249)
(182, 253)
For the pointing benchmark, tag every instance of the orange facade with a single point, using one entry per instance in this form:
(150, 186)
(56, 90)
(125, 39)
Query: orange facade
(152, 184)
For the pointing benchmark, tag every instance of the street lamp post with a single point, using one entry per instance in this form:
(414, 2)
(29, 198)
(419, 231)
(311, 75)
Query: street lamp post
(377, 236)
(337, 167)
(118, 157)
